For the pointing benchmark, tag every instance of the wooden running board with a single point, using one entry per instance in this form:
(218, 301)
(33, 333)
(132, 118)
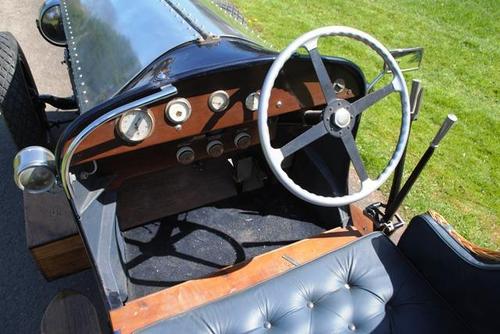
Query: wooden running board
(183, 297)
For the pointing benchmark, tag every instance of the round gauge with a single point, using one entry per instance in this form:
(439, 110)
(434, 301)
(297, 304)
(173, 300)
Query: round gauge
(339, 85)
(218, 101)
(135, 125)
(252, 101)
(178, 111)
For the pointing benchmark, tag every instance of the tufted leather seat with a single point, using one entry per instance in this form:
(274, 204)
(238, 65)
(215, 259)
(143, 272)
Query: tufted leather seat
(367, 286)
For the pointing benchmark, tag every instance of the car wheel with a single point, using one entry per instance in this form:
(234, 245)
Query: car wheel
(18, 95)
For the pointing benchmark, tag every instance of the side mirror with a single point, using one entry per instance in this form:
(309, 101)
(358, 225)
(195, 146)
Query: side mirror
(408, 59)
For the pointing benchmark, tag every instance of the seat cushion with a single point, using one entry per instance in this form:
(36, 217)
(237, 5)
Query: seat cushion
(365, 287)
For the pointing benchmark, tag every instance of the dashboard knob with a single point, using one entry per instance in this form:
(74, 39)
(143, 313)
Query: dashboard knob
(215, 148)
(242, 140)
(185, 155)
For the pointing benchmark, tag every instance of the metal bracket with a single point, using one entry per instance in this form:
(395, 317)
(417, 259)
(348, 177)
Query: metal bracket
(376, 214)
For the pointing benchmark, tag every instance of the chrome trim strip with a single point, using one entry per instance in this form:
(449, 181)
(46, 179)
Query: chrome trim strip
(166, 92)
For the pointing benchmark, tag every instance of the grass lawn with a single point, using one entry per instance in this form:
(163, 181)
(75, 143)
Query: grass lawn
(460, 74)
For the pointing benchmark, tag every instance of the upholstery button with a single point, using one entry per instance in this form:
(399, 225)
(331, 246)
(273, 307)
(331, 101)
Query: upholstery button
(267, 325)
(310, 304)
(351, 327)
(347, 286)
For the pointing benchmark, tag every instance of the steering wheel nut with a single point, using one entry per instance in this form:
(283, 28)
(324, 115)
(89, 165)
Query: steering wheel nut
(342, 118)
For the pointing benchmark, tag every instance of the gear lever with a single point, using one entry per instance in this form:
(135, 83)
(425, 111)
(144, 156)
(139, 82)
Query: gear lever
(396, 203)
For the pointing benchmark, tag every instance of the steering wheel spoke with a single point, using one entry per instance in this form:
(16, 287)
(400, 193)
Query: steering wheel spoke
(372, 98)
(312, 134)
(322, 74)
(353, 152)
(337, 119)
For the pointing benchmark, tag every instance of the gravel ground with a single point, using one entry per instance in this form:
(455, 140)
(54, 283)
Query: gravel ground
(24, 293)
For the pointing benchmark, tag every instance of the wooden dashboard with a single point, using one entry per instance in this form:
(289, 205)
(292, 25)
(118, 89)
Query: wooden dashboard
(296, 89)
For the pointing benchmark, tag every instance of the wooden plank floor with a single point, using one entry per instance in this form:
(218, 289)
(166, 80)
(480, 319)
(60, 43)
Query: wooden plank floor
(180, 298)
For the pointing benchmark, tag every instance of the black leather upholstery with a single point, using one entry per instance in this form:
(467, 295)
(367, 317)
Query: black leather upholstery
(469, 285)
(365, 287)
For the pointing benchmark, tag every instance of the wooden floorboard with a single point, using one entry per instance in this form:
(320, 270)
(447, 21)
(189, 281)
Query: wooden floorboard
(183, 297)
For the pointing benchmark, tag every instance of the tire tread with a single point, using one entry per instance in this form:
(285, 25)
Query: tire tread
(16, 104)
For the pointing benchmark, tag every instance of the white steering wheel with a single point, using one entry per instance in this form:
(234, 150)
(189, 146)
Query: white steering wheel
(338, 117)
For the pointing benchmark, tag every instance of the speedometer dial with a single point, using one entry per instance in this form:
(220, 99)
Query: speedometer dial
(135, 125)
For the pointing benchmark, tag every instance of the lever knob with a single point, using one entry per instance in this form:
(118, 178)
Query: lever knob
(445, 127)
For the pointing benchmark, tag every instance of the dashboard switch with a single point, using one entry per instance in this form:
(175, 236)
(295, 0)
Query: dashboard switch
(242, 140)
(215, 148)
(185, 155)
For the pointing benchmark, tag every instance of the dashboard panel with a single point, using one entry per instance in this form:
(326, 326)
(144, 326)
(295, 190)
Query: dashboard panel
(210, 126)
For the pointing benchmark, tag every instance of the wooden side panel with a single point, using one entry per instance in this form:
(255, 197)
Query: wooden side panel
(362, 223)
(167, 303)
(62, 257)
(52, 235)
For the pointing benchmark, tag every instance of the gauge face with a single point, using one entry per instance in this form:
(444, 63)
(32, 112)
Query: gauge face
(135, 125)
(218, 101)
(252, 101)
(339, 85)
(178, 111)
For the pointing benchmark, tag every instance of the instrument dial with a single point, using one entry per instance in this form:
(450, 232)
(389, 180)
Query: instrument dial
(135, 125)
(339, 85)
(178, 111)
(218, 101)
(252, 101)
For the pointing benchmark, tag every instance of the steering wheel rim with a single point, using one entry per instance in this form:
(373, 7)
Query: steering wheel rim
(275, 156)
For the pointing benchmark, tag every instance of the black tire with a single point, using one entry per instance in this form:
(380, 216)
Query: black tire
(231, 10)
(26, 122)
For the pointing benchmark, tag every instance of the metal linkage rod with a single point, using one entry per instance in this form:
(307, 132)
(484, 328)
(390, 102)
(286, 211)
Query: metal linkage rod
(416, 95)
(396, 203)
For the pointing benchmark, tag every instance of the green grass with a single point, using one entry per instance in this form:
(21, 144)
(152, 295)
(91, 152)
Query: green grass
(460, 74)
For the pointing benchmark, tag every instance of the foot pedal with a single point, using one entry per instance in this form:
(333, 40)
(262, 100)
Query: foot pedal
(70, 312)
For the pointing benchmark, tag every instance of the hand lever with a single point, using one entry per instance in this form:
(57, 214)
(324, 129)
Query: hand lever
(394, 205)
(417, 92)
(416, 95)
(445, 127)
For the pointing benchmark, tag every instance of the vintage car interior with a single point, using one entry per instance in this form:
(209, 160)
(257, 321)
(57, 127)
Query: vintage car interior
(205, 177)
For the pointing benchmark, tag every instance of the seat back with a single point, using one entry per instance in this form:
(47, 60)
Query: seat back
(469, 285)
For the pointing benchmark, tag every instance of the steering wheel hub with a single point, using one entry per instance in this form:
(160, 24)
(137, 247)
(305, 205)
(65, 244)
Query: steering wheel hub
(337, 117)
(342, 118)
